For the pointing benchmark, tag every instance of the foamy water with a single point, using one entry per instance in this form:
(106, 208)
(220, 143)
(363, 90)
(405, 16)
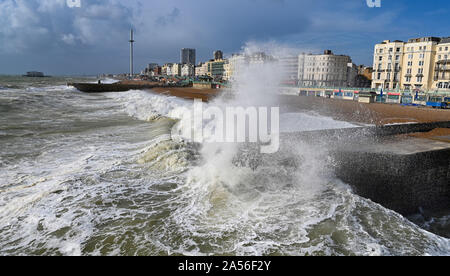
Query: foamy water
(100, 175)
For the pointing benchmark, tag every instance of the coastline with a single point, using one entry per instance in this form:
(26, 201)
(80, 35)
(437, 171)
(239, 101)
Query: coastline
(188, 92)
(375, 114)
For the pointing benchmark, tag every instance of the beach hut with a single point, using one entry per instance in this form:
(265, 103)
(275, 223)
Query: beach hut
(393, 97)
(367, 97)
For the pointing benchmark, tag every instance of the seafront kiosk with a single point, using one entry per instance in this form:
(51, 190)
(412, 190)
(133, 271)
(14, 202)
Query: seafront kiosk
(367, 97)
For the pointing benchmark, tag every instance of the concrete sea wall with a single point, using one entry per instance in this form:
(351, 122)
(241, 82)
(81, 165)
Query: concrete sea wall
(402, 174)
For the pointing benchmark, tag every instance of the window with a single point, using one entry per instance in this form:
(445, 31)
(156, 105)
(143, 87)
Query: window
(388, 76)
(397, 57)
(390, 58)
(419, 79)
(379, 76)
(421, 63)
(410, 56)
(446, 48)
(424, 48)
(398, 50)
(408, 79)
(380, 58)
(409, 63)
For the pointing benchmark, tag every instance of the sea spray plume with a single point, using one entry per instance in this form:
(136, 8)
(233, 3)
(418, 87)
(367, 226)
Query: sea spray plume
(234, 166)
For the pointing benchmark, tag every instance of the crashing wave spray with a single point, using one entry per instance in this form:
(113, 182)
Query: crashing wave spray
(236, 201)
(237, 186)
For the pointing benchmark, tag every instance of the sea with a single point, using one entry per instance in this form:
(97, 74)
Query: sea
(100, 174)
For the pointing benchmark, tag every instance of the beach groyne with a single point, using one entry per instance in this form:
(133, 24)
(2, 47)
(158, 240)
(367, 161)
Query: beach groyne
(185, 92)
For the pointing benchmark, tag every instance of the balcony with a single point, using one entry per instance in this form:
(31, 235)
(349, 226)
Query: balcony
(442, 68)
(439, 77)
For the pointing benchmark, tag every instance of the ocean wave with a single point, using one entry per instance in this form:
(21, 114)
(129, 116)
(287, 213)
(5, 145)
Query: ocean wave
(148, 106)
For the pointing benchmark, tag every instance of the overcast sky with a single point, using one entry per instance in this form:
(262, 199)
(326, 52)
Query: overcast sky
(49, 36)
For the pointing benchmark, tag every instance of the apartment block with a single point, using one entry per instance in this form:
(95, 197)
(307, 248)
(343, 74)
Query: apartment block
(201, 69)
(233, 66)
(173, 69)
(187, 56)
(325, 70)
(289, 67)
(187, 70)
(441, 76)
(419, 64)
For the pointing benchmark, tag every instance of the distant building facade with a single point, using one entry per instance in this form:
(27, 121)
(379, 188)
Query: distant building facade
(216, 68)
(173, 69)
(364, 77)
(233, 66)
(201, 69)
(153, 69)
(325, 70)
(441, 76)
(187, 70)
(419, 64)
(188, 56)
(352, 73)
(289, 66)
(218, 55)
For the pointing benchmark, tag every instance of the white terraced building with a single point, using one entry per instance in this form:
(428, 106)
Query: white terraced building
(421, 63)
(326, 70)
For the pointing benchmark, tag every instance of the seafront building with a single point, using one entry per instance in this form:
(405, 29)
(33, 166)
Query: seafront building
(289, 67)
(441, 76)
(419, 64)
(173, 69)
(364, 77)
(352, 73)
(201, 69)
(233, 66)
(325, 70)
(187, 70)
(153, 69)
(218, 55)
(214, 68)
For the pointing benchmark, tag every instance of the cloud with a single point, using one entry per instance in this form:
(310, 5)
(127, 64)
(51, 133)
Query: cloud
(169, 18)
(46, 25)
(98, 31)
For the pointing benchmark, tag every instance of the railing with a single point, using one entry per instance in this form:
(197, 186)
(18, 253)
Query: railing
(440, 91)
